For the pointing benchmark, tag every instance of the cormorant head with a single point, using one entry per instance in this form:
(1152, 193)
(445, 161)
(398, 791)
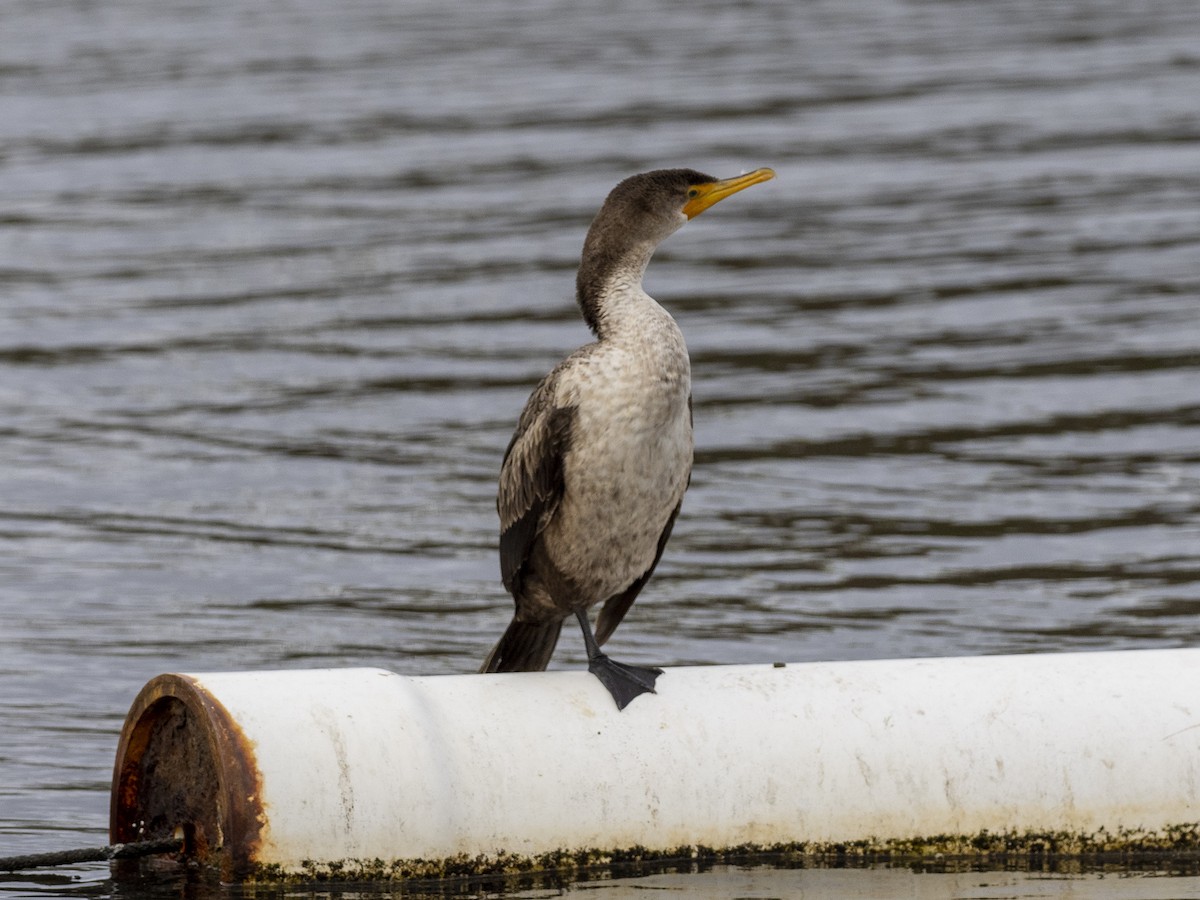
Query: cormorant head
(650, 206)
(641, 212)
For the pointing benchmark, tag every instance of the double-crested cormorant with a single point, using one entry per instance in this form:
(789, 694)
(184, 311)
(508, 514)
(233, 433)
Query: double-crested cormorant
(594, 475)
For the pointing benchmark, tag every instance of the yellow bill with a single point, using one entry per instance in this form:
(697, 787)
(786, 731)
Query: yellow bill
(702, 196)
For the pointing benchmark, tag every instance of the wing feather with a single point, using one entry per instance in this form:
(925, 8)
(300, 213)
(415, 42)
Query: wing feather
(531, 479)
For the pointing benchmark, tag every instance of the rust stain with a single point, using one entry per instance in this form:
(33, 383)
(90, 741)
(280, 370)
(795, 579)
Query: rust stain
(184, 765)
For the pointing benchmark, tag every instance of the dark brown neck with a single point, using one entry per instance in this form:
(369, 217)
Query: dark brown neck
(611, 259)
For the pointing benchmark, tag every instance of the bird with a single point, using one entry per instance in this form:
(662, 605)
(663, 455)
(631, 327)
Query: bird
(594, 476)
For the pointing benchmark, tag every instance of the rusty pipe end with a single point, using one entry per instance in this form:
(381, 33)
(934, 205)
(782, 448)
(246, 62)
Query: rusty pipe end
(183, 766)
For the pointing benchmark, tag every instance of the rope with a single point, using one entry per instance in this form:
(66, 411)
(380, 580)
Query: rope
(94, 854)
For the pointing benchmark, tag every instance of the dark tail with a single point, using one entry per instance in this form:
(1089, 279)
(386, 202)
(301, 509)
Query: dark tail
(524, 647)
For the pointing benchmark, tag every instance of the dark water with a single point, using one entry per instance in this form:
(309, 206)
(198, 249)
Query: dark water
(276, 279)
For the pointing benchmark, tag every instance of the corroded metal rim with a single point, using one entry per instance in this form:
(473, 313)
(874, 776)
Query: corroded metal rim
(184, 768)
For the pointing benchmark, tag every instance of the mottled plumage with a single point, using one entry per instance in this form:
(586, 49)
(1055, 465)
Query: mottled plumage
(596, 471)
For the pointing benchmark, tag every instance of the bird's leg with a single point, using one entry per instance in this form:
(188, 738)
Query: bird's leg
(624, 682)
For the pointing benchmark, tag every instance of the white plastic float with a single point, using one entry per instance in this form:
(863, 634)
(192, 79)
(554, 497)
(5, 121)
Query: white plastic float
(286, 770)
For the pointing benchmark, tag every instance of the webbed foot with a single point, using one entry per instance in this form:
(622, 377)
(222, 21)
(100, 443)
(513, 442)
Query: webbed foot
(623, 681)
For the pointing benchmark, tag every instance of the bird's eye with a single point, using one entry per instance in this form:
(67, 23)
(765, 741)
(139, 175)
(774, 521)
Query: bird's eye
(693, 194)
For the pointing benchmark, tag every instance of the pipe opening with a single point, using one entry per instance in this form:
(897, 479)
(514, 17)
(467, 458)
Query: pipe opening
(184, 770)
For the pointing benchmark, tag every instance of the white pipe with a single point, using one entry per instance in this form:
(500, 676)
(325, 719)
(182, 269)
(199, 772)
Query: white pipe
(329, 766)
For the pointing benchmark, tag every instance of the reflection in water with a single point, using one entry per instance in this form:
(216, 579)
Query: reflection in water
(275, 288)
